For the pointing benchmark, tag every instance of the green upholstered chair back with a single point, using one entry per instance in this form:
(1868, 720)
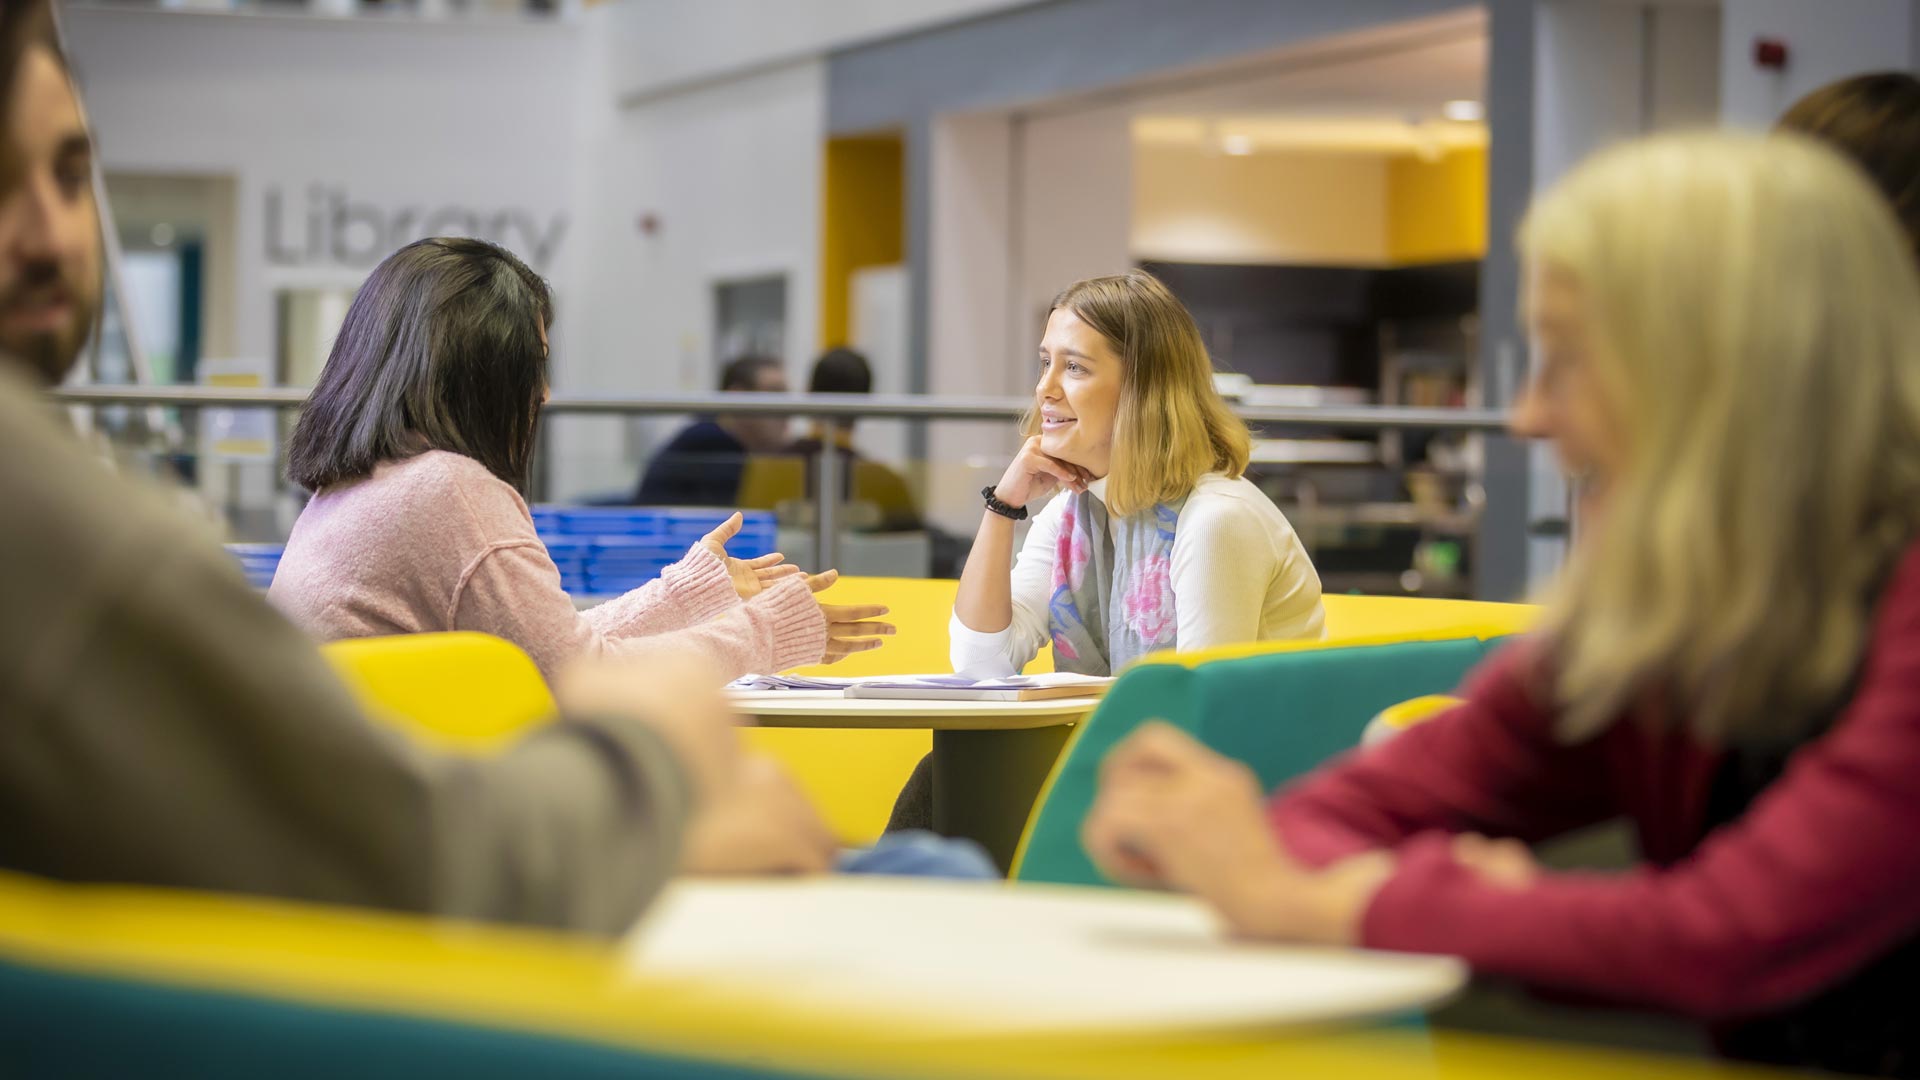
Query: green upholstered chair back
(1283, 713)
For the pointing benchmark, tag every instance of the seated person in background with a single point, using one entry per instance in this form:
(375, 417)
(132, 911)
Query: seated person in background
(415, 442)
(701, 465)
(161, 724)
(1157, 541)
(1875, 120)
(843, 371)
(1731, 658)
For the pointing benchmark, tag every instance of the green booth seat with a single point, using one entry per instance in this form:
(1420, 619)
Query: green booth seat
(1282, 712)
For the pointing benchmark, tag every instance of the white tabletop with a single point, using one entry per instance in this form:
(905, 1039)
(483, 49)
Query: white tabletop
(988, 956)
(828, 708)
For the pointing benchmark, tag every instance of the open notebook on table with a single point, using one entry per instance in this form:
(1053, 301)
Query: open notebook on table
(1057, 684)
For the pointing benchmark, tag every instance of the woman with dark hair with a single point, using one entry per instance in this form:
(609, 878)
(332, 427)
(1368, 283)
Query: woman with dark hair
(1875, 120)
(416, 443)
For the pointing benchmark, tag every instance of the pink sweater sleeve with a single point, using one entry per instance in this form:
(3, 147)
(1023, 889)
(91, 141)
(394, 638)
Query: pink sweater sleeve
(1815, 880)
(688, 593)
(512, 590)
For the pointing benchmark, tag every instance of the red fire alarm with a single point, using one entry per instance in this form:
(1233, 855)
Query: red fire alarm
(1770, 53)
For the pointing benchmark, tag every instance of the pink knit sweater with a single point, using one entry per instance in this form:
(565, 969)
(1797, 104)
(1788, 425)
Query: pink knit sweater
(436, 542)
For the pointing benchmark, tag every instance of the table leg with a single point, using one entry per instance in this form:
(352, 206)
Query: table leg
(985, 783)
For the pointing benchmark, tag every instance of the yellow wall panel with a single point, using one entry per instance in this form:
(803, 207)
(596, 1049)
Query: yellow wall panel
(1437, 210)
(861, 222)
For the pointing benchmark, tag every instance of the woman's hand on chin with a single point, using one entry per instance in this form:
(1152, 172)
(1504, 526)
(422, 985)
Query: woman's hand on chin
(1173, 814)
(1034, 474)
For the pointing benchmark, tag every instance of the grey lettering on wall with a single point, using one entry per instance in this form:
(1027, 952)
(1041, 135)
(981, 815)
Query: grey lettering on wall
(330, 227)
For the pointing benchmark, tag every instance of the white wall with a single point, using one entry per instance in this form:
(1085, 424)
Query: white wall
(417, 124)
(731, 173)
(1195, 205)
(667, 42)
(1828, 40)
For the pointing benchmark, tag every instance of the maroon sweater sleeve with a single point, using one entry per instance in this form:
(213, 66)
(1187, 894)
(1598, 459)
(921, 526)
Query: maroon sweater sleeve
(1489, 766)
(1818, 878)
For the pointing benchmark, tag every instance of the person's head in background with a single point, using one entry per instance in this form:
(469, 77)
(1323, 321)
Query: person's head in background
(1126, 392)
(1874, 120)
(49, 225)
(758, 432)
(1727, 347)
(841, 371)
(443, 348)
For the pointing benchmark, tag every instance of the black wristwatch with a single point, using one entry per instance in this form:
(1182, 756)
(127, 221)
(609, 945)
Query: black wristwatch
(1017, 513)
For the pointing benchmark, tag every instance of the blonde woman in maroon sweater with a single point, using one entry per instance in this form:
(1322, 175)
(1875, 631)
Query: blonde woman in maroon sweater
(1727, 354)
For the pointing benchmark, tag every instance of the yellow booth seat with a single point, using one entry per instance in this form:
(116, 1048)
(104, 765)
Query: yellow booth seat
(473, 690)
(462, 689)
(101, 981)
(1380, 620)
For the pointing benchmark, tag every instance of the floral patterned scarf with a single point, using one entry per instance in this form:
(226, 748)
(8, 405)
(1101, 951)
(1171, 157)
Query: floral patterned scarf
(1092, 565)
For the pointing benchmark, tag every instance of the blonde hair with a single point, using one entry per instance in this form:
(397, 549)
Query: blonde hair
(1756, 315)
(1172, 426)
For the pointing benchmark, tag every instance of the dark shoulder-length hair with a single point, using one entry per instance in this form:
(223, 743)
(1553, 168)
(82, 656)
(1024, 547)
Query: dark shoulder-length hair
(441, 350)
(1875, 120)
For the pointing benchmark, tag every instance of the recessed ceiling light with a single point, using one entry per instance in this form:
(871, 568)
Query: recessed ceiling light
(1462, 111)
(1237, 145)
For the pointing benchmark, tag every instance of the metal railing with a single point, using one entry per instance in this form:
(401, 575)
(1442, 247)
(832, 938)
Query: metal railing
(813, 406)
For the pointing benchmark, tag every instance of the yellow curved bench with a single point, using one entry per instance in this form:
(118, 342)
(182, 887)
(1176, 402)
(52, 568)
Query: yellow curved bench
(462, 689)
(226, 987)
(474, 691)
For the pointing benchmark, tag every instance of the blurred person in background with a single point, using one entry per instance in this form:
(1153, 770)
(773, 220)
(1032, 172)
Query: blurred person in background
(161, 724)
(1727, 348)
(1875, 120)
(1157, 540)
(416, 443)
(703, 463)
(844, 371)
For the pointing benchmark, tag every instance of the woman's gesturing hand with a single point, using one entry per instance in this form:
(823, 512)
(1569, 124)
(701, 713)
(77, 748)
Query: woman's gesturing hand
(851, 628)
(750, 576)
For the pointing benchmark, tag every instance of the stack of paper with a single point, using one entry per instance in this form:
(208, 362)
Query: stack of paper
(960, 688)
(788, 682)
(938, 687)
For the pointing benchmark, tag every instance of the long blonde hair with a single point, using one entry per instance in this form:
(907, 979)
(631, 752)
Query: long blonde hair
(1172, 426)
(1757, 322)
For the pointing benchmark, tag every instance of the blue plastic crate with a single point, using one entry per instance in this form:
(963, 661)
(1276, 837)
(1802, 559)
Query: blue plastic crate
(637, 547)
(605, 521)
(615, 586)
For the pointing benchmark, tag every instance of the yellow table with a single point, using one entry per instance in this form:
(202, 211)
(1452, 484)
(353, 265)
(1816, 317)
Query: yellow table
(990, 758)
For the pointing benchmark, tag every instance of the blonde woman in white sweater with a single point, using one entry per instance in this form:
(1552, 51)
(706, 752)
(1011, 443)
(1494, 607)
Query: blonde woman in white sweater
(1157, 541)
